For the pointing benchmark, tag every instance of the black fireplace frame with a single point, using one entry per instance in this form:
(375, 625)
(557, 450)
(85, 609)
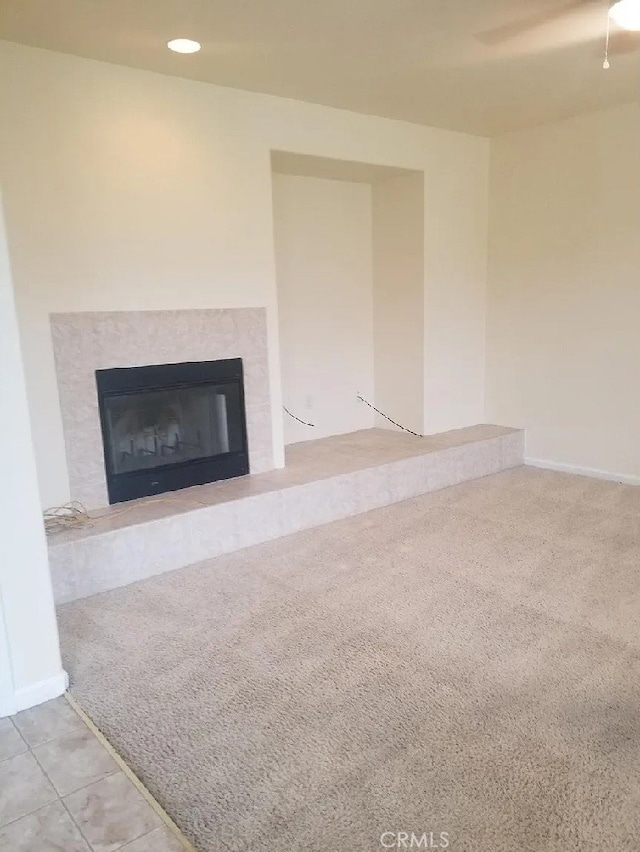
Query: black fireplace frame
(170, 477)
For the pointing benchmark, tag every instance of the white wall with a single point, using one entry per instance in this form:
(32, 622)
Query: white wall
(398, 302)
(129, 190)
(322, 232)
(455, 258)
(30, 668)
(563, 350)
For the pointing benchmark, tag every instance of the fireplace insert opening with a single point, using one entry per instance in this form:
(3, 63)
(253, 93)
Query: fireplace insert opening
(169, 426)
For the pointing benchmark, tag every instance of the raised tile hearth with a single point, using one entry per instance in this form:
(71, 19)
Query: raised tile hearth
(324, 481)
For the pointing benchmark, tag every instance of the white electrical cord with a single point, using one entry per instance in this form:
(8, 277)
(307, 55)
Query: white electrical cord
(73, 514)
(59, 518)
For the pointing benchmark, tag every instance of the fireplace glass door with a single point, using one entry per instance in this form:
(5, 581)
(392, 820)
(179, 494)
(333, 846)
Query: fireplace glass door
(193, 425)
(156, 428)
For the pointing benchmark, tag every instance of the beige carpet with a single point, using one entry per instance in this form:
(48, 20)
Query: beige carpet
(466, 662)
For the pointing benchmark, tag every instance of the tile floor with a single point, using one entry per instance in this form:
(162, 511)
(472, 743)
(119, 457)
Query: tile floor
(60, 789)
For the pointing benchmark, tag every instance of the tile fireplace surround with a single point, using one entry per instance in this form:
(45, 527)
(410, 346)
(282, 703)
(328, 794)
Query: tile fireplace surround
(86, 342)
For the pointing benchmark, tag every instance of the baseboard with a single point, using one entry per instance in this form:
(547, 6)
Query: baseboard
(36, 693)
(625, 478)
(7, 707)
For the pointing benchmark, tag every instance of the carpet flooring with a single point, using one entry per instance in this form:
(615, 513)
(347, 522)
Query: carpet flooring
(465, 662)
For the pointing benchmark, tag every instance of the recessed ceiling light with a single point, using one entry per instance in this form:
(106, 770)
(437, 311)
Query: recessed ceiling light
(183, 45)
(626, 14)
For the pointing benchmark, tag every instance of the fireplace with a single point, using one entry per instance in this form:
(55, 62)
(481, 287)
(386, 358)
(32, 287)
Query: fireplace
(169, 426)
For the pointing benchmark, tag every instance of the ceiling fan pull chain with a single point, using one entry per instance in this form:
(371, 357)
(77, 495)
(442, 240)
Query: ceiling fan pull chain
(606, 64)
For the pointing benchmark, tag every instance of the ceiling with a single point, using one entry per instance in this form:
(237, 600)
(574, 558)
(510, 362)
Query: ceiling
(417, 60)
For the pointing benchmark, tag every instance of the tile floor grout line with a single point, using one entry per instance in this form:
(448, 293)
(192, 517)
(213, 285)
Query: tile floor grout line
(24, 742)
(37, 811)
(31, 813)
(40, 807)
(16, 728)
(77, 789)
(77, 825)
(11, 756)
(44, 742)
(60, 797)
(157, 808)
